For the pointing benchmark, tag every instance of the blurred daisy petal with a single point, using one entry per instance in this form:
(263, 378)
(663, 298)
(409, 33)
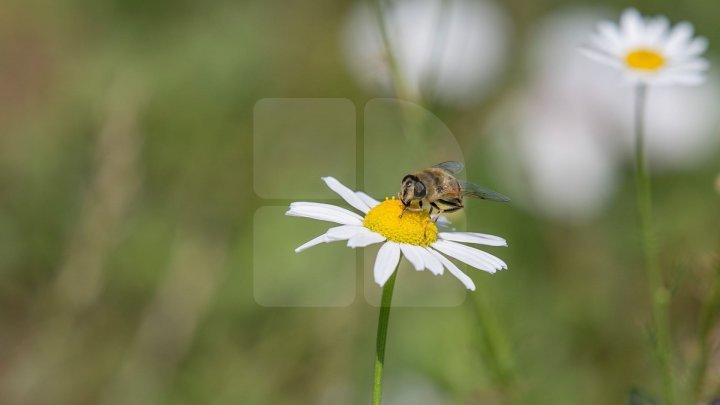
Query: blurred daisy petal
(656, 29)
(451, 51)
(601, 57)
(647, 50)
(631, 24)
(610, 36)
(697, 47)
(679, 37)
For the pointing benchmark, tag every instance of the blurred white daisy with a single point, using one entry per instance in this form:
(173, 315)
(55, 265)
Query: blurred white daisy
(648, 51)
(414, 235)
(451, 51)
(573, 135)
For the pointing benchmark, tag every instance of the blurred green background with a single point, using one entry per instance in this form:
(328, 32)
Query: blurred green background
(129, 234)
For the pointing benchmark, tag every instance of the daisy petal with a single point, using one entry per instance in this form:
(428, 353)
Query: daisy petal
(689, 80)
(324, 212)
(344, 232)
(365, 238)
(413, 256)
(684, 78)
(696, 64)
(610, 36)
(601, 57)
(674, 53)
(371, 202)
(603, 45)
(431, 262)
(346, 194)
(386, 262)
(632, 26)
(471, 256)
(333, 234)
(679, 37)
(697, 47)
(453, 269)
(443, 223)
(320, 239)
(655, 31)
(499, 264)
(472, 237)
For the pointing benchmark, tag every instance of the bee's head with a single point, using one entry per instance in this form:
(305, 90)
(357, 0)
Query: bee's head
(411, 189)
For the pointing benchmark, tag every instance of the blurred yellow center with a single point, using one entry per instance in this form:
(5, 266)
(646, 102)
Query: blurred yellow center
(645, 59)
(414, 228)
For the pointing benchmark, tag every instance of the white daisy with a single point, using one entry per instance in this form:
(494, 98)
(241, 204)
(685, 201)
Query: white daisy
(452, 51)
(414, 235)
(648, 50)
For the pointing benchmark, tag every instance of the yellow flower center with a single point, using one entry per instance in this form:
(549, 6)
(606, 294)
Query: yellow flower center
(645, 59)
(414, 227)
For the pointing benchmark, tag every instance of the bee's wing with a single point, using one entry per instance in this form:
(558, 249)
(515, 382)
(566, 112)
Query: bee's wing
(451, 167)
(473, 190)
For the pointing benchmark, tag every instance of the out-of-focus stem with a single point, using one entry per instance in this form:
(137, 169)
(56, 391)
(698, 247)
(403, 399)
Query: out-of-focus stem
(658, 292)
(169, 323)
(398, 81)
(38, 370)
(495, 347)
(707, 324)
(412, 122)
(441, 28)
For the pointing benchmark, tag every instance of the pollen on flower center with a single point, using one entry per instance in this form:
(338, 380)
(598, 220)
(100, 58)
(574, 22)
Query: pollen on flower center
(645, 59)
(414, 227)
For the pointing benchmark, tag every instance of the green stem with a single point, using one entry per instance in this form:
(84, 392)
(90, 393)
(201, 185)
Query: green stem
(382, 337)
(659, 294)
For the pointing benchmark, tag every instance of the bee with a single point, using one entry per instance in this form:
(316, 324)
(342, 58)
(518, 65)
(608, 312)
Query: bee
(438, 187)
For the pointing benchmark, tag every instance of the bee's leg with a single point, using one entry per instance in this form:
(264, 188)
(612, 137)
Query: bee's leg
(432, 205)
(453, 209)
(440, 211)
(455, 205)
(406, 206)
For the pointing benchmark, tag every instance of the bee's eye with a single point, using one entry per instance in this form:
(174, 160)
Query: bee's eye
(419, 190)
